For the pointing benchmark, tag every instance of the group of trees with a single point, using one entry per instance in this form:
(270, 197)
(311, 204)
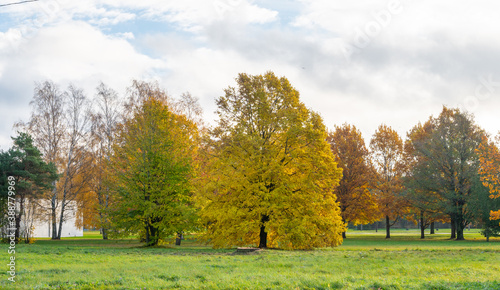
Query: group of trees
(444, 171)
(268, 174)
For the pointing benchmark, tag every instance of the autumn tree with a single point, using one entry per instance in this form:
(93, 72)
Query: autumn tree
(489, 169)
(482, 206)
(448, 164)
(387, 152)
(151, 168)
(357, 203)
(104, 117)
(271, 175)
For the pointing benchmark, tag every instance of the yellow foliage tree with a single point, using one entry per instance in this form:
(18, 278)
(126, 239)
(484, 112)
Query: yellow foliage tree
(271, 176)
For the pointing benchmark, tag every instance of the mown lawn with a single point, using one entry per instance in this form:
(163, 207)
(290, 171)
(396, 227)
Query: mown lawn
(366, 260)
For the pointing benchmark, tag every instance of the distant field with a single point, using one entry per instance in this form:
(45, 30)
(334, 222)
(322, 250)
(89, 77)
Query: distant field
(366, 260)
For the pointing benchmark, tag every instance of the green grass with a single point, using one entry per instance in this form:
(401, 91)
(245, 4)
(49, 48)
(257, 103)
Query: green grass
(365, 261)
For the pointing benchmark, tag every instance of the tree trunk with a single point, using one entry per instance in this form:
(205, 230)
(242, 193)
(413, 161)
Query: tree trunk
(54, 217)
(460, 224)
(263, 233)
(387, 228)
(178, 239)
(18, 219)
(147, 234)
(460, 234)
(104, 233)
(422, 226)
(346, 224)
(61, 218)
(103, 203)
(376, 227)
(432, 229)
(153, 236)
(453, 228)
(104, 230)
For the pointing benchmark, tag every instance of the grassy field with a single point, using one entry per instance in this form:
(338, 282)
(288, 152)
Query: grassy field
(366, 260)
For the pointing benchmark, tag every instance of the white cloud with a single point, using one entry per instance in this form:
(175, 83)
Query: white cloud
(75, 52)
(78, 51)
(191, 15)
(422, 54)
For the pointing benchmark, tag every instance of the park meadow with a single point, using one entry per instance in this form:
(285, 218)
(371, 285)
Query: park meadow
(270, 176)
(365, 260)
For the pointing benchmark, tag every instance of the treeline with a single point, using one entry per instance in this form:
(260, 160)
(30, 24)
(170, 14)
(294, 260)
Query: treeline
(268, 174)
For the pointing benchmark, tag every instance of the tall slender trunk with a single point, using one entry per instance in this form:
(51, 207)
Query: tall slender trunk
(422, 225)
(147, 234)
(104, 228)
(263, 233)
(344, 232)
(67, 179)
(103, 199)
(61, 217)
(453, 228)
(19, 218)
(432, 229)
(54, 215)
(387, 227)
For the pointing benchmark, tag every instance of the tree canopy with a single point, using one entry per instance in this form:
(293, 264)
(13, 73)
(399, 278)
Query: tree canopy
(151, 168)
(387, 150)
(357, 202)
(489, 158)
(272, 175)
(448, 163)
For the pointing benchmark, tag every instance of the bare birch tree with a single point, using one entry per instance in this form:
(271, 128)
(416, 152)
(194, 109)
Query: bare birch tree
(59, 124)
(74, 181)
(104, 120)
(47, 126)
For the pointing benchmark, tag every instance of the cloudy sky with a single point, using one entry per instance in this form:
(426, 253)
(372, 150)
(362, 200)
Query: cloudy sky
(363, 62)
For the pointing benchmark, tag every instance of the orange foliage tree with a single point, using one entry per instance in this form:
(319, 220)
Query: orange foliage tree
(357, 202)
(387, 149)
(489, 169)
